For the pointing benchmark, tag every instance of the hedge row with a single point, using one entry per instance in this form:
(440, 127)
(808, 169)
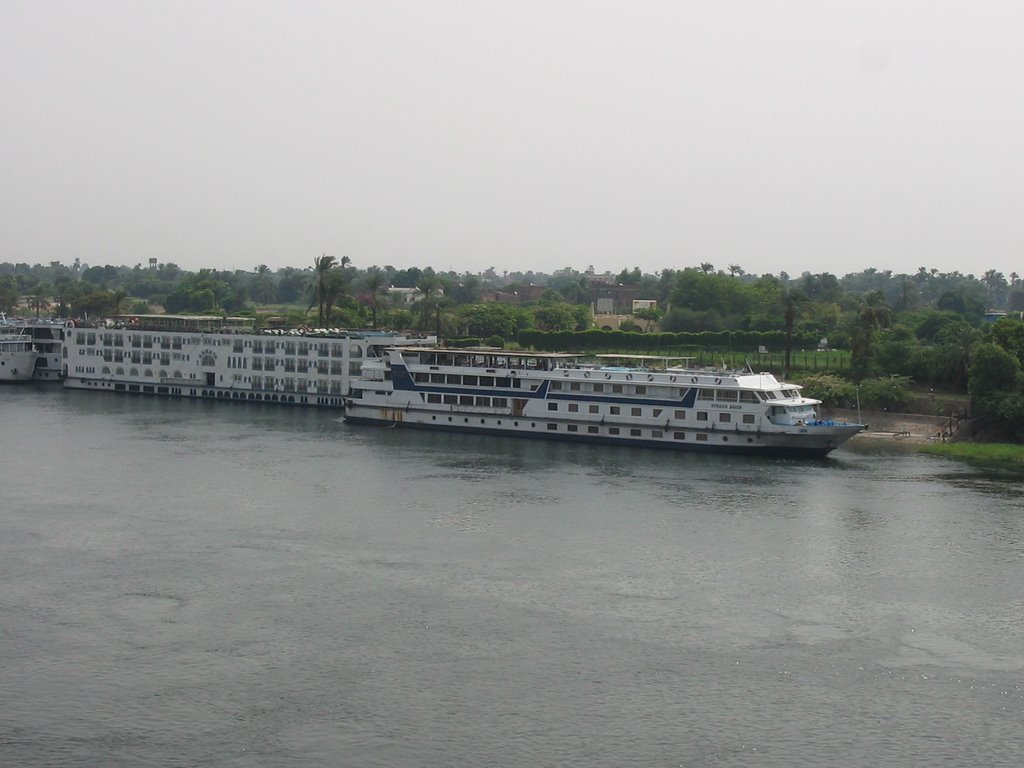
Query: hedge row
(772, 341)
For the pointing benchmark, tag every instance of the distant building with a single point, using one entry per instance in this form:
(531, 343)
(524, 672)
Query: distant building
(404, 296)
(644, 304)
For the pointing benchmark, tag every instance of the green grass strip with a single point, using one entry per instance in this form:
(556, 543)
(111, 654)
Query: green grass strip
(994, 453)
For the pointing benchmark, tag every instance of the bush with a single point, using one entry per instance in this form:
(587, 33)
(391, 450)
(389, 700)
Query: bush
(891, 392)
(831, 390)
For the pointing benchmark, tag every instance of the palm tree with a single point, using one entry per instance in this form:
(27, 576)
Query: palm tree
(430, 305)
(872, 315)
(375, 283)
(322, 266)
(736, 270)
(707, 267)
(337, 286)
(793, 302)
(263, 284)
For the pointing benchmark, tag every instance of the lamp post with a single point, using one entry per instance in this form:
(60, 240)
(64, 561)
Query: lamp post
(857, 389)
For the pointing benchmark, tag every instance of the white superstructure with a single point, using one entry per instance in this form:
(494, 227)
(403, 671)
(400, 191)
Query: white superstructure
(17, 355)
(551, 395)
(284, 367)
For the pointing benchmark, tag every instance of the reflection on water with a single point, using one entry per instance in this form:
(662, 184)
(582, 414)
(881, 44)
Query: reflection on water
(221, 584)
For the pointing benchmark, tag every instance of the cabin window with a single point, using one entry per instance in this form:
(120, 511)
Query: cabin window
(453, 378)
(613, 430)
(599, 387)
(641, 389)
(433, 398)
(470, 381)
(702, 416)
(465, 399)
(635, 411)
(552, 427)
(594, 409)
(437, 378)
(702, 437)
(574, 386)
(499, 402)
(678, 435)
(656, 412)
(748, 418)
(574, 408)
(556, 386)
(614, 410)
(706, 394)
(552, 406)
(486, 381)
(731, 395)
(748, 397)
(451, 400)
(483, 402)
(634, 432)
(680, 415)
(572, 428)
(657, 433)
(725, 418)
(617, 388)
(592, 430)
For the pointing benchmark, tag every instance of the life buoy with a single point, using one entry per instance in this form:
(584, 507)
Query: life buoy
(718, 381)
(566, 374)
(586, 374)
(693, 380)
(69, 324)
(650, 377)
(629, 377)
(511, 373)
(672, 377)
(607, 375)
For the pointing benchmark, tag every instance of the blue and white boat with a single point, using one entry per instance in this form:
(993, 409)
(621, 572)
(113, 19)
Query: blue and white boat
(555, 395)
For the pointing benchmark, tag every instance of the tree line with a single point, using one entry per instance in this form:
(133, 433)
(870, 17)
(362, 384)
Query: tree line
(928, 327)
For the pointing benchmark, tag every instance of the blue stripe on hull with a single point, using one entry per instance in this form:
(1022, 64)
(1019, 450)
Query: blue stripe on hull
(748, 450)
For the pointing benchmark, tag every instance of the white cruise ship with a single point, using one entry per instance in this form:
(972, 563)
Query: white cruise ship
(214, 358)
(17, 355)
(48, 340)
(551, 395)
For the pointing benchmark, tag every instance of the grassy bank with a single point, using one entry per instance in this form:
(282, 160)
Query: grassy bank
(982, 453)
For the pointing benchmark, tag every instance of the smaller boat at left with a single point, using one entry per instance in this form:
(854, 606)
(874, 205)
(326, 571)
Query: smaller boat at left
(17, 352)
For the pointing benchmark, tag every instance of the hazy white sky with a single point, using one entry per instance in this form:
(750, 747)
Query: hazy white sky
(810, 135)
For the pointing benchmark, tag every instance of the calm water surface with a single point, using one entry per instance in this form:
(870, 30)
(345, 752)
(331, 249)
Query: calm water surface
(192, 584)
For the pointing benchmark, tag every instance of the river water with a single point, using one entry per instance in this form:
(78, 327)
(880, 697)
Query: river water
(199, 584)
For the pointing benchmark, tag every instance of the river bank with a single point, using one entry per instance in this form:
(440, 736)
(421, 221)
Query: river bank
(885, 425)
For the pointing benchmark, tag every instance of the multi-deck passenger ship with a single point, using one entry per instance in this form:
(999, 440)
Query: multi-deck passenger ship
(553, 395)
(220, 358)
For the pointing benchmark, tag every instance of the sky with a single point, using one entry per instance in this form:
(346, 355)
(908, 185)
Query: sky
(778, 136)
